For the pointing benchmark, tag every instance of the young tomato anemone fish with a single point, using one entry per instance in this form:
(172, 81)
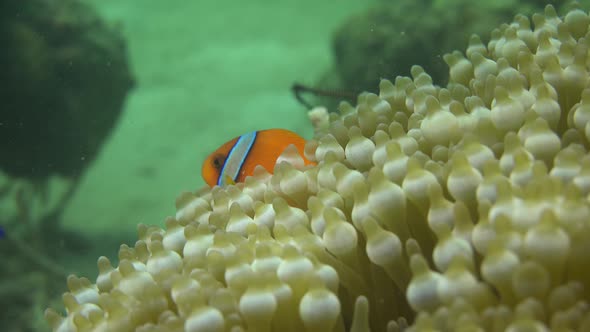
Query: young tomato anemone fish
(236, 159)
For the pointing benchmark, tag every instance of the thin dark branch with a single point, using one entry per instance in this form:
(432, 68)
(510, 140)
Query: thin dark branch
(300, 89)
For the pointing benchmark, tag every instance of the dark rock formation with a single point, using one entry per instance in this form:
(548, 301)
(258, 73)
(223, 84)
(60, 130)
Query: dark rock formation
(65, 78)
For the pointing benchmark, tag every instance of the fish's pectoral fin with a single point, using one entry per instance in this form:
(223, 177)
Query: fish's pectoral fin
(229, 180)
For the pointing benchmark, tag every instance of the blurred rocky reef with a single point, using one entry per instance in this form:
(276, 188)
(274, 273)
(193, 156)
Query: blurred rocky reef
(65, 77)
(388, 38)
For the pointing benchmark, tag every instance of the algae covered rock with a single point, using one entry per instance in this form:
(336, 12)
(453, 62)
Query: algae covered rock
(65, 78)
(386, 40)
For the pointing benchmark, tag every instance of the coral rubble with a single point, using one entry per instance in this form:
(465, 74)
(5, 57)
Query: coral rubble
(456, 208)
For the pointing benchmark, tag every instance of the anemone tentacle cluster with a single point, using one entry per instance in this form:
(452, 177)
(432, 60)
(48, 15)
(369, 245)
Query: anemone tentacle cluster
(458, 208)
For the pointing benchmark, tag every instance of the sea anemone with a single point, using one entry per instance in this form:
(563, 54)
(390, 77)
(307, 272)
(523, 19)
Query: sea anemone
(430, 208)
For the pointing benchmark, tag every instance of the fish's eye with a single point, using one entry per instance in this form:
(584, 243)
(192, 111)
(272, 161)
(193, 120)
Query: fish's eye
(218, 161)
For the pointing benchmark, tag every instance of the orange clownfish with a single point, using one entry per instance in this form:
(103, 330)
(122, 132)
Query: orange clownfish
(236, 159)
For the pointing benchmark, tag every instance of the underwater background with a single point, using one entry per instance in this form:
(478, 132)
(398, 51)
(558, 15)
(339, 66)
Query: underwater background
(112, 106)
